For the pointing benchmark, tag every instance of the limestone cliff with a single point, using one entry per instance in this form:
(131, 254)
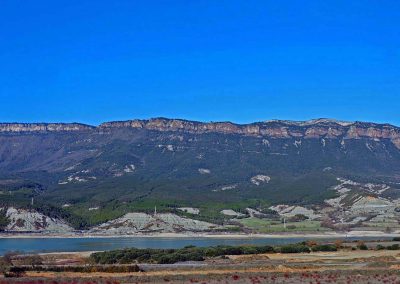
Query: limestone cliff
(43, 127)
(320, 128)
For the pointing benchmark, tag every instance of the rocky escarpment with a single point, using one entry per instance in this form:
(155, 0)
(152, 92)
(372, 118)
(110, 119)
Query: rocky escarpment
(320, 128)
(43, 127)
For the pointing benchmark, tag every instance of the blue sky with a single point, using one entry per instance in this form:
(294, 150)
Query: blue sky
(243, 61)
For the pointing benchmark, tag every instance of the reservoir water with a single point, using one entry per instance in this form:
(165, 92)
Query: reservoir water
(36, 245)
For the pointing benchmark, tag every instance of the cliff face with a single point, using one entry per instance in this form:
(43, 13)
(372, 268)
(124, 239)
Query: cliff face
(320, 128)
(43, 127)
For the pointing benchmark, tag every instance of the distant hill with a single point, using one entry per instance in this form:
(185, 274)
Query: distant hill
(90, 175)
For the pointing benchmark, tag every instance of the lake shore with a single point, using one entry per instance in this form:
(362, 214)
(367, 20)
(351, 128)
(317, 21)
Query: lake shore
(351, 234)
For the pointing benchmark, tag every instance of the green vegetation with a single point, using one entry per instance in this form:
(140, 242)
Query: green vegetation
(126, 260)
(324, 247)
(380, 247)
(393, 247)
(362, 246)
(268, 226)
(231, 159)
(192, 253)
(164, 256)
(4, 221)
(295, 248)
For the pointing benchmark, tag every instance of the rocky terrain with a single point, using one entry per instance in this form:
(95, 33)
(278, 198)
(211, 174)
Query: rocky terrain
(330, 172)
(133, 223)
(318, 128)
(275, 129)
(30, 221)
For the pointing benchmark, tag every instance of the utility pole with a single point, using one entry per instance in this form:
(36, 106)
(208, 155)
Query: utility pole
(155, 210)
(284, 223)
(32, 201)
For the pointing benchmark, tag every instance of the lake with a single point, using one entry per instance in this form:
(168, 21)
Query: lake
(36, 245)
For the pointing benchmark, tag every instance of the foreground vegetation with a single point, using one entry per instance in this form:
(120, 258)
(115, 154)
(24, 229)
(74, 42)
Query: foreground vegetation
(168, 256)
(192, 253)
(377, 258)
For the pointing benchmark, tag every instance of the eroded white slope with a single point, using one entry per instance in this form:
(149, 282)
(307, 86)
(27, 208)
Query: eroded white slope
(132, 223)
(23, 220)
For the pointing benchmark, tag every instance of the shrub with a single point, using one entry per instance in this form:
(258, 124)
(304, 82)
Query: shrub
(14, 272)
(361, 245)
(396, 239)
(265, 249)
(324, 248)
(394, 247)
(380, 247)
(296, 248)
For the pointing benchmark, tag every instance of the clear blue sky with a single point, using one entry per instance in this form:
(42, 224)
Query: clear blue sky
(94, 61)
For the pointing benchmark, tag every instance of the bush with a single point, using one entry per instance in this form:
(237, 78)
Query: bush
(296, 248)
(324, 248)
(393, 247)
(380, 247)
(362, 247)
(180, 257)
(396, 239)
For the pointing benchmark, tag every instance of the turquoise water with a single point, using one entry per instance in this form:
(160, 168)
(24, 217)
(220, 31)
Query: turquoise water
(35, 245)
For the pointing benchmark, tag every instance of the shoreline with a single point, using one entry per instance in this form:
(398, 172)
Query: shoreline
(352, 234)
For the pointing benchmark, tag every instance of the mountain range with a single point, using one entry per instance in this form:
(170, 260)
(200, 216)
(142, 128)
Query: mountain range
(92, 174)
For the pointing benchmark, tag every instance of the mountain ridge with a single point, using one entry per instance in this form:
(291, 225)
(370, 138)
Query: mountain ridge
(312, 121)
(167, 124)
(315, 128)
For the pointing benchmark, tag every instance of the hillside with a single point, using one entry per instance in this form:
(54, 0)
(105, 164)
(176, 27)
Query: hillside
(89, 175)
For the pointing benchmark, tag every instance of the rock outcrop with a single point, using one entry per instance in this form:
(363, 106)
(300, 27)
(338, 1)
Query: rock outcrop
(44, 127)
(23, 220)
(319, 128)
